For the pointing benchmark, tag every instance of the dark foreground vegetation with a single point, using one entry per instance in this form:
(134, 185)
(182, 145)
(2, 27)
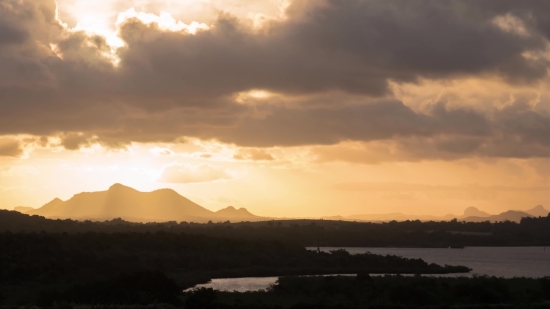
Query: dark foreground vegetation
(529, 232)
(364, 291)
(32, 264)
(64, 263)
(154, 290)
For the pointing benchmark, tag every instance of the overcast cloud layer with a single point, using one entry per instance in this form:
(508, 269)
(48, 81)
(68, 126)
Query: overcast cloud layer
(330, 63)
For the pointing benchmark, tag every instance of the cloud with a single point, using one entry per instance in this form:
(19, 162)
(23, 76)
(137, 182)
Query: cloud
(74, 141)
(253, 154)
(161, 151)
(10, 147)
(375, 120)
(329, 64)
(185, 174)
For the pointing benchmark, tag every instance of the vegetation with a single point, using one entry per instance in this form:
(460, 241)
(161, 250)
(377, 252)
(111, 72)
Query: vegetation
(529, 232)
(154, 290)
(364, 291)
(29, 262)
(65, 263)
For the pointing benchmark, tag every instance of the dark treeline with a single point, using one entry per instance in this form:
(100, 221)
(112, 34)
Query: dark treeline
(364, 291)
(56, 263)
(59, 257)
(529, 232)
(140, 288)
(155, 290)
(360, 291)
(30, 262)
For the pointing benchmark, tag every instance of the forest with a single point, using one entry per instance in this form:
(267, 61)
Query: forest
(365, 291)
(66, 263)
(314, 233)
(155, 290)
(32, 264)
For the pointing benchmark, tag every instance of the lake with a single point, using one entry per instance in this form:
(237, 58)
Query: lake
(507, 262)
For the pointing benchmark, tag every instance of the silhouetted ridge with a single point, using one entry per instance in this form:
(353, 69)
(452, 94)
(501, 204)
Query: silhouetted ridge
(510, 215)
(52, 206)
(232, 212)
(23, 209)
(124, 202)
(474, 212)
(121, 187)
(538, 211)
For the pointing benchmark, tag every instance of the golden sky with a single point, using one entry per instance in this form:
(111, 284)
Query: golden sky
(302, 108)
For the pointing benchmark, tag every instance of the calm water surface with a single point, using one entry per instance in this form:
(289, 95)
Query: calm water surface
(505, 262)
(239, 284)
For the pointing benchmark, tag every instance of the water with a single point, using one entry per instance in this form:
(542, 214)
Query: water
(507, 262)
(239, 284)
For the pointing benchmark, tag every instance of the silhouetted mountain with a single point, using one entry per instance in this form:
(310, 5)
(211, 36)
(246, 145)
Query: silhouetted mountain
(390, 217)
(23, 209)
(538, 211)
(471, 214)
(132, 205)
(231, 212)
(474, 212)
(511, 215)
(397, 217)
(49, 209)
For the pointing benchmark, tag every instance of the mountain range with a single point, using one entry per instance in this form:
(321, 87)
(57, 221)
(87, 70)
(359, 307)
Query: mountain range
(163, 205)
(471, 214)
(120, 201)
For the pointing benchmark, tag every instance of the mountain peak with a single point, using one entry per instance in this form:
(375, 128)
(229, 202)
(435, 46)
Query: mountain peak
(474, 212)
(231, 211)
(538, 211)
(172, 191)
(55, 201)
(118, 186)
(121, 201)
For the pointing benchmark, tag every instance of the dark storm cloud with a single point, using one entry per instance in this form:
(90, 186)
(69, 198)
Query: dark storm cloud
(171, 84)
(443, 133)
(353, 46)
(9, 35)
(10, 147)
(74, 141)
(375, 121)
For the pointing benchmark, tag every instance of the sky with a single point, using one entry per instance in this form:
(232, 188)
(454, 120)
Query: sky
(289, 108)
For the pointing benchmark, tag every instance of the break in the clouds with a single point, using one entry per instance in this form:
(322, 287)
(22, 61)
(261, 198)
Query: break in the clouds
(324, 71)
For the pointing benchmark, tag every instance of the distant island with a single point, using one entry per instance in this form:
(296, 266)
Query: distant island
(124, 202)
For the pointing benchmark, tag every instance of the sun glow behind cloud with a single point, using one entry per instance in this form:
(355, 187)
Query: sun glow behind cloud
(165, 21)
(102, 19)
(273, 137)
